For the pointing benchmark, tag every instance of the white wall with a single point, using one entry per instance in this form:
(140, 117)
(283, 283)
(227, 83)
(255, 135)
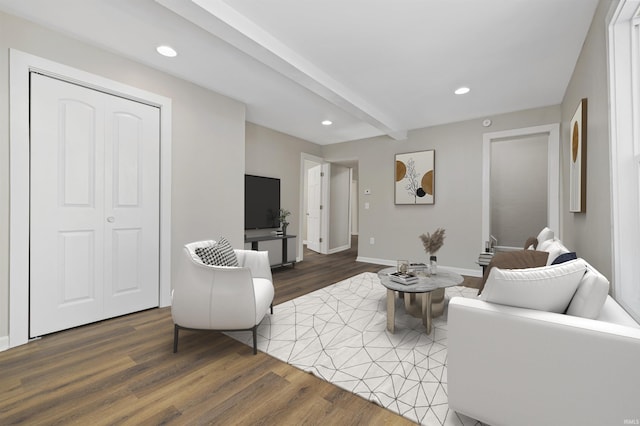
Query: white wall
(458, 189)
(207, 133)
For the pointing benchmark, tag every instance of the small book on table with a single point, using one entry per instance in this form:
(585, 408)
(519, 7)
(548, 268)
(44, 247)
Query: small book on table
(403, 278)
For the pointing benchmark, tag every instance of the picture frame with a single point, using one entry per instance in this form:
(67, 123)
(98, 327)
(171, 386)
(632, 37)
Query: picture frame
(415, 177)
(578, 159)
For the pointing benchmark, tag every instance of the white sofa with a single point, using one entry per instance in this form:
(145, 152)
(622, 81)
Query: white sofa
(510, 365)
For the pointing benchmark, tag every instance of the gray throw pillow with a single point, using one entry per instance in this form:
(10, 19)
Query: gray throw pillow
(219, 254)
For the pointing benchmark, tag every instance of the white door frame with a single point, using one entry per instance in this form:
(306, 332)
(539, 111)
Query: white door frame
(303, 190)
(325, 206)
(553, 169)
(20, 65)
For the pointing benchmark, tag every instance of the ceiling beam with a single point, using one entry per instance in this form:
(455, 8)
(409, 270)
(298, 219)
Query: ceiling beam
(226, 23)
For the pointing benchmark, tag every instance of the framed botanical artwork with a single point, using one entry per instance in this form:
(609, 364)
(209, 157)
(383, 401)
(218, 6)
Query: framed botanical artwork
(415, 173)
(578, 159)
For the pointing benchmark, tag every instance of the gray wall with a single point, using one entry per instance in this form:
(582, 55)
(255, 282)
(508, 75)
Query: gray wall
(589, 233)
(274, 154)
(207, 133)
(458, 189)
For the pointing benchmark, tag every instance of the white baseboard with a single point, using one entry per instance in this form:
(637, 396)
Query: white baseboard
(386, 262)
(376, 261)
(4, 343)
(339, 249)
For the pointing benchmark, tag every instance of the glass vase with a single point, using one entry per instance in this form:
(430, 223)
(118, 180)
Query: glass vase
(433, 265)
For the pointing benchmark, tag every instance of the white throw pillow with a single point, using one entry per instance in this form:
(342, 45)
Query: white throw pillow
(554, 247)
(591, 294)
(544, 235)
(547, 288)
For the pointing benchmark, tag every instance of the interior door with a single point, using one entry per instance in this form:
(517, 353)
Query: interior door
(94, 206)
(132, 200)
(314, 196)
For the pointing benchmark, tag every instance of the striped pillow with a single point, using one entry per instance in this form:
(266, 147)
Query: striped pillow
(219, 254)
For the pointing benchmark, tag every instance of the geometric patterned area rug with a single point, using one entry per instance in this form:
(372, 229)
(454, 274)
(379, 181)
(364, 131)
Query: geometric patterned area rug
(339, 333)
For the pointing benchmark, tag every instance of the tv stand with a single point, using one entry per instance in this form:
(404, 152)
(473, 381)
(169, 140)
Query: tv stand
(255, 240)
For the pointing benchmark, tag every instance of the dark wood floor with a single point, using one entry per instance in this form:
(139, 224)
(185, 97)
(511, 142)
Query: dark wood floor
(317, 271)
(123, 371)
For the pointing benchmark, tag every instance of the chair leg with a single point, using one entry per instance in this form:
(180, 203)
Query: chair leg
(175, 338)
(271, 306)
(255, 339)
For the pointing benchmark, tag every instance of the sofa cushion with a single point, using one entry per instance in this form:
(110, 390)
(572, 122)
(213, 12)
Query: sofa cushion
(518, 259)
(218, 254)
(590, 296)
(554, 247)
(544, 235)
(547, 288)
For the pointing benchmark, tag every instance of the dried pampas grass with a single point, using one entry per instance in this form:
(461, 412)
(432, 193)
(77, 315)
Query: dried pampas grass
(433, 242)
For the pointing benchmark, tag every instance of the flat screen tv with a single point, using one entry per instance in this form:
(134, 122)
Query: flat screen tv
(261, 202)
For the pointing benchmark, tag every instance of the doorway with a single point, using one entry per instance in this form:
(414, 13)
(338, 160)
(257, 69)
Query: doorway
(499, 149)
(328, 209)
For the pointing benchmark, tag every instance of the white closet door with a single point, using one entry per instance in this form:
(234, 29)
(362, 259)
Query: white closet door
(94, 206)
(132, 188)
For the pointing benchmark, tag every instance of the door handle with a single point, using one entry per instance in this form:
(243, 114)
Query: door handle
(111, 219)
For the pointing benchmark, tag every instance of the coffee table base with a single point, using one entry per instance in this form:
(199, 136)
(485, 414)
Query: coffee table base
(417, 304)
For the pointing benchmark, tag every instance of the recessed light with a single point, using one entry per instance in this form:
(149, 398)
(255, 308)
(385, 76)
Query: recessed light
(327, 123)
(462, 90)
(167, 51)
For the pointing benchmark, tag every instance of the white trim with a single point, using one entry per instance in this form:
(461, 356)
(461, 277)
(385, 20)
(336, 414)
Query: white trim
(553, 169)
(4, 343)
(623, 39)
(325, 207)
(339, 249)
(376, 261)
(303, 183)
(20, 64)
(350, 201)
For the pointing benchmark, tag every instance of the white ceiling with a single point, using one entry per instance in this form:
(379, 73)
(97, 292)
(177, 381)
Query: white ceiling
(373, 67)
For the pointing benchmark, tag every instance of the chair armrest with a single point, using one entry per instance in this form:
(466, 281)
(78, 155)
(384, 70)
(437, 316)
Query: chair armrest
(256, 261)
(502, 361)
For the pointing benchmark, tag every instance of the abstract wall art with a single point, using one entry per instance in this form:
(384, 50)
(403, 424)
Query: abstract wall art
(578, 159)
(414, 177)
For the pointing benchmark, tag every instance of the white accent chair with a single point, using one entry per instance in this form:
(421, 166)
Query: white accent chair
(221, 298)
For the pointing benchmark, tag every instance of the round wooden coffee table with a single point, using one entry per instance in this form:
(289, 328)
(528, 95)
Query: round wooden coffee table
(427, 288)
